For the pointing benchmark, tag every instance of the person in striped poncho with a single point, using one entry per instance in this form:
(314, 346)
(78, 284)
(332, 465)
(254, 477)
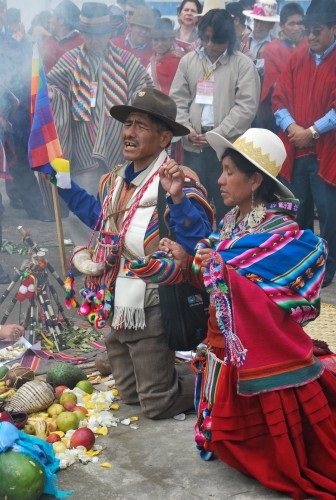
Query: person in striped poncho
(84, 84)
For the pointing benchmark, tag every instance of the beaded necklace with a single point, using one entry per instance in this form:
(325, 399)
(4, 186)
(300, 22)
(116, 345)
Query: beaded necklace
(246, 224)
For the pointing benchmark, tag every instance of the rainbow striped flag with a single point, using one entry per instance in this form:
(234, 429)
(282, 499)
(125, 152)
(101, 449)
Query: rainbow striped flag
(44, 149)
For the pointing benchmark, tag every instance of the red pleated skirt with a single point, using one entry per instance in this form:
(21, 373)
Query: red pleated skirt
(286, 439)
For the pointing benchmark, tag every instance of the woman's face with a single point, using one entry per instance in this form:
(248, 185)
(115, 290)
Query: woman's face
(162, 46)
(187, 15)
(235, 186)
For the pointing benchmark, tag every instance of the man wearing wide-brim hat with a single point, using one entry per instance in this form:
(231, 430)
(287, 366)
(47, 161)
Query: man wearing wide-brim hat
(264, 15)
(138, 38)
(126, 214)
(85, 83)
(304, 106)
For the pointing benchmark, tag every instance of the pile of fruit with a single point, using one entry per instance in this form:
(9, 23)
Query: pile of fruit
(67, 412)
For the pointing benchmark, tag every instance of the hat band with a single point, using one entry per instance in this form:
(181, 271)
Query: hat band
(95, 22)
(260, 11)
(256, 154)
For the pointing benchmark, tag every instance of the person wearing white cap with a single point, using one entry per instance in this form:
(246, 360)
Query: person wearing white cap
(264, 15)
(215, 88)
(265, 404)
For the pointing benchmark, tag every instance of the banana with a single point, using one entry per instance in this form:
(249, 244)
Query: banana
(3, 387)
(41, 429)
(8, 394)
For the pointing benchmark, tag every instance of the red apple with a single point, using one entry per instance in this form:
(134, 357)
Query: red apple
(53, 437)
(59, 390)
(69, 405)
(80, 408)
(82, 437)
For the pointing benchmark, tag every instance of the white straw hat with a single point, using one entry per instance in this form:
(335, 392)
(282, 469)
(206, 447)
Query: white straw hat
(264, 10)
(210, 5)
(261, 147)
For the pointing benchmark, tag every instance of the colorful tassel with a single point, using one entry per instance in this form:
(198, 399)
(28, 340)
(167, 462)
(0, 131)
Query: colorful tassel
(69, 285)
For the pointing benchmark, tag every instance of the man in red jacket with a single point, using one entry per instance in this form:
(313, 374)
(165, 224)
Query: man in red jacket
(62, 37)
(304, 102)
(138, 39)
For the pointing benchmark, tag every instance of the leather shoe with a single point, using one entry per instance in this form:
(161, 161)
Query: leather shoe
(326, 282)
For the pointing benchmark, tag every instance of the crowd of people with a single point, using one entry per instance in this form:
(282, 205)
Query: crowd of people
(242, 97)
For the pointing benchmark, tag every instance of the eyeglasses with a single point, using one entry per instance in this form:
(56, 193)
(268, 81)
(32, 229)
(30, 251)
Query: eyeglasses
(314, 31)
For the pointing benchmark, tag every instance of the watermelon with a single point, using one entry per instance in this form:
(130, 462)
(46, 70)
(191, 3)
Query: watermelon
(64, 374)
(3, 371)
(21, 476)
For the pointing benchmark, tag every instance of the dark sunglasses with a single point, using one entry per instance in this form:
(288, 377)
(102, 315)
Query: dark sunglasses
(313, 31)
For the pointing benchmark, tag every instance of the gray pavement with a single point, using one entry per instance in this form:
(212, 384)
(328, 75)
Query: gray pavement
(156, 461)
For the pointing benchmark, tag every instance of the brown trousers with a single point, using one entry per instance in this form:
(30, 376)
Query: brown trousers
(144, 369)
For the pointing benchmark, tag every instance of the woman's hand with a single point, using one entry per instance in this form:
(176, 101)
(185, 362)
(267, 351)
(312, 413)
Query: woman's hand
(172, 180)
(11, 332)
(174, 251)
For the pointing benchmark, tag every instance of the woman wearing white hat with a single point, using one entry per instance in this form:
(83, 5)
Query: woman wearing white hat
(265, 404)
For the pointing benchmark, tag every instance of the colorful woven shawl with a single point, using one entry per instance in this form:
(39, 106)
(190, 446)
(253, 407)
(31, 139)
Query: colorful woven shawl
(114, 84)
(288, 266)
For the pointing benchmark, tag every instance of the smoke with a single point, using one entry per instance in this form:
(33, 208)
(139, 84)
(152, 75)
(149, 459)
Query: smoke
(30, 9)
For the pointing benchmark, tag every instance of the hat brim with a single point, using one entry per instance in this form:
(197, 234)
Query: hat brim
(267, 19)
(318, 18)
(98, 30)
(220, 144)
(122, 112)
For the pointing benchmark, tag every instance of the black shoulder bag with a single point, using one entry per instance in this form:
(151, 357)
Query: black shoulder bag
(184, 308)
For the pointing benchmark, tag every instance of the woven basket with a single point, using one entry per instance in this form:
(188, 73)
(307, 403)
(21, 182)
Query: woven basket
(324, 327)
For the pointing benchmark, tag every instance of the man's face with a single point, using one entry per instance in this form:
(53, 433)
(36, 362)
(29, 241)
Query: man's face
(96, 44)
(129, 12)
(141, 141)
(320, 37)
(139, 34)
(261, 28)
(293, 28)
(55, 25)
(213, 47)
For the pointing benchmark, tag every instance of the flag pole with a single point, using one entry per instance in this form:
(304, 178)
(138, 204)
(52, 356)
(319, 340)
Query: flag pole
(59, 229)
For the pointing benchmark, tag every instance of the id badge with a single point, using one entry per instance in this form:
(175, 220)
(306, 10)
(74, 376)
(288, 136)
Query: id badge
(93, 93)
(204, 91)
